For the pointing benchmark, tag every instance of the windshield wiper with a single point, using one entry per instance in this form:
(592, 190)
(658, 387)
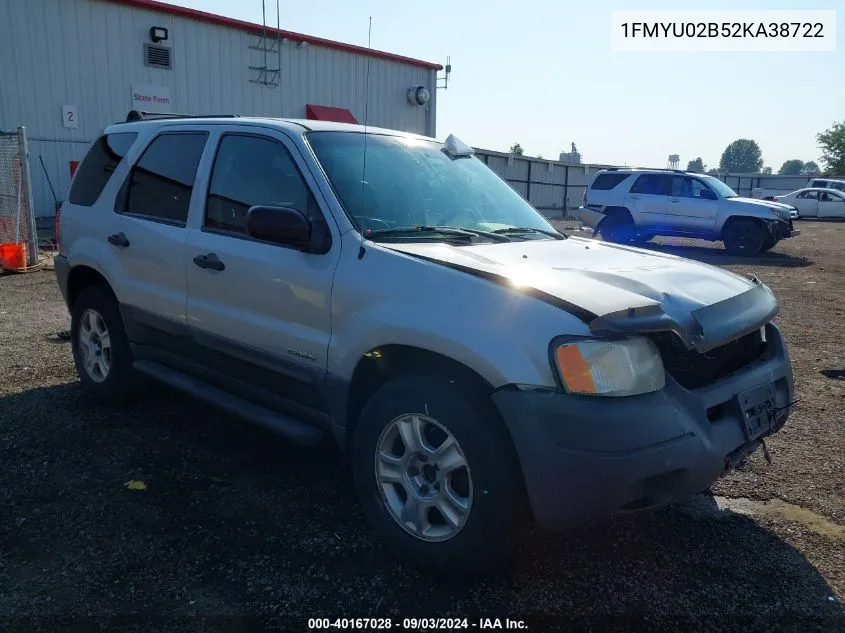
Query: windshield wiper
(455, 231)
(524, 229)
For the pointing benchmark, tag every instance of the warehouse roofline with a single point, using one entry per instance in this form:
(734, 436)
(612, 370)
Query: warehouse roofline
(212, 18)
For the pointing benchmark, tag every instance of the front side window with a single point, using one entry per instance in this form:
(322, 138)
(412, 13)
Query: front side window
(809, 195)
(686, 187)
(160, 185)
(250, 171)
(721, 189)
(99, 164)
(414, 182)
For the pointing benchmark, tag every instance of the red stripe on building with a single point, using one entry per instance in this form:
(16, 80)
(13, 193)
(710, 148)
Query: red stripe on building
(251, 27)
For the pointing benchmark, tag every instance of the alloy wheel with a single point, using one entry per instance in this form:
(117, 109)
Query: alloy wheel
(94, 345)
(424, 478)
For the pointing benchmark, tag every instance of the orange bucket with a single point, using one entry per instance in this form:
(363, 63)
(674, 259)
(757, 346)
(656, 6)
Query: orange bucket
(13, 255)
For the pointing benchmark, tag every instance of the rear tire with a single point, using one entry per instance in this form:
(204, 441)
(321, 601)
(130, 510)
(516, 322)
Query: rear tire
(101, 351)
(642, 238)
(744, 236)
(483, 499)
(618, 228)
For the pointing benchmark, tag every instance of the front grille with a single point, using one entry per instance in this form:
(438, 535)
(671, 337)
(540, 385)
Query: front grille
(693, 370)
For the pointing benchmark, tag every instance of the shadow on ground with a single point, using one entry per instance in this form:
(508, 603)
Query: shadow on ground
(237, 530)
(719, 257)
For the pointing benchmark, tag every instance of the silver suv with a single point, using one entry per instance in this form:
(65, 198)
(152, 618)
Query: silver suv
(392, 294)
(630, 206)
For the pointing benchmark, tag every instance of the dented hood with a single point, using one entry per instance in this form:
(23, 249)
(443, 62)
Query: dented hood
(618, 289)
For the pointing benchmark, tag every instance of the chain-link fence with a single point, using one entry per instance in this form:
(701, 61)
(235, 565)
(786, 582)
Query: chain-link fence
(17, 215)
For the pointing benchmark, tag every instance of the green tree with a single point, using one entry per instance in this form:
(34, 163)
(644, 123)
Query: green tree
(743, 156)
(810, 169)
(713, 172)
(792, 167)
(832, 143)
(697, 166)
(516, 149)
(766, 171)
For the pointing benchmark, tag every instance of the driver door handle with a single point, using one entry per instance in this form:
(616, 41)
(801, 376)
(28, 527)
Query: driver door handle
(210, 261)
(118, 239)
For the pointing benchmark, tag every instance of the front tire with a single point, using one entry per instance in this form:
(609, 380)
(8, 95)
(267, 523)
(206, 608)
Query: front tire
(769, 244)
(744, 236)
(438, 476)
(101, 351)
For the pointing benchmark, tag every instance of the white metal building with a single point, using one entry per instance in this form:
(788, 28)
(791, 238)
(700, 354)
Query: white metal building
(68, 68)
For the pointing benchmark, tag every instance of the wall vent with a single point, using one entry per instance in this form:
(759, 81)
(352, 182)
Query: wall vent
(157, 56)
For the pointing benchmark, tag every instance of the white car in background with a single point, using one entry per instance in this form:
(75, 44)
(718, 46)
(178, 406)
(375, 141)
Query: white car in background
(816, 202)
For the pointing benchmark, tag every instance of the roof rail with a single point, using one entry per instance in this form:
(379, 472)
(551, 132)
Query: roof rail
(140, 115)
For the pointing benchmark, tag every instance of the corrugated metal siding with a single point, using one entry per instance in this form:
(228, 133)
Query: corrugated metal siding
(559, 190)
(553, 187)
(88, 53)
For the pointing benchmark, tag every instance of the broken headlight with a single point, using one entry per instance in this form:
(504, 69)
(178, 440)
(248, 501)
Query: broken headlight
(610, 368)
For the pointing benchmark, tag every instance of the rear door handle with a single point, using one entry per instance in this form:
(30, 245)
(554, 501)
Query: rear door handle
(635, 196)
(673, 200)
(209, 261)
(118, 239)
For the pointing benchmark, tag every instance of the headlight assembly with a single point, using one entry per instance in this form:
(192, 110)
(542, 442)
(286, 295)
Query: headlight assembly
(610, 368)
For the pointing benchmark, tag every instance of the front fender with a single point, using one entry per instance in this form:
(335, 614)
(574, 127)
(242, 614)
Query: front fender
(392, 298)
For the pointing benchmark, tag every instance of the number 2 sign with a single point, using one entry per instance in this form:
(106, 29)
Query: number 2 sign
(70, 116)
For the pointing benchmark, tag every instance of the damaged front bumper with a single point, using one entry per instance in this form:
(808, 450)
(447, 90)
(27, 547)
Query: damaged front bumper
(781, 229)
(586, 457)
(729, 384)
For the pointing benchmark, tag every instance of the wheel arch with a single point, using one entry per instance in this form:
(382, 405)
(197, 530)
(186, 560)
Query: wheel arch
(378, 365)
(731, 219)
(82, 276)
(617, 211)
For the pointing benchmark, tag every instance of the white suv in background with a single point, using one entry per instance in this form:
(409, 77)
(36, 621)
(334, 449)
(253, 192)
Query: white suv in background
(630, 206)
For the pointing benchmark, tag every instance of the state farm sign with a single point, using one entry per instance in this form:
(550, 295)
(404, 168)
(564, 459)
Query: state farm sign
(150, 98)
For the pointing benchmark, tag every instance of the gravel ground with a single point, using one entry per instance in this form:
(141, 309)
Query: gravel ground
(237, 530)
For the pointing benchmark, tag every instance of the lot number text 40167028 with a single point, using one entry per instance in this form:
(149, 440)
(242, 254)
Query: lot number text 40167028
(416, 624)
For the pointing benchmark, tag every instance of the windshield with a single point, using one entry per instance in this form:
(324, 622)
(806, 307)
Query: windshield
(723, 190)
(412, 182)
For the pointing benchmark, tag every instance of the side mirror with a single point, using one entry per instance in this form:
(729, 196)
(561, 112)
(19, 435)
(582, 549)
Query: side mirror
(706, 194)
(280, 225)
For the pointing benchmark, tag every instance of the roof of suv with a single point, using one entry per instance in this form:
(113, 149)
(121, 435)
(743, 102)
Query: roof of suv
(294, 125)
(647, 170)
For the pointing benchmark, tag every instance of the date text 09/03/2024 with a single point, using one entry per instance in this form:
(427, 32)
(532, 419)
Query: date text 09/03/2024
(416, 624)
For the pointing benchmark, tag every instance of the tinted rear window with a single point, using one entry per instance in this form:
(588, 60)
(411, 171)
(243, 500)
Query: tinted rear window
(98, 166)
(605, 182)
(162, 182)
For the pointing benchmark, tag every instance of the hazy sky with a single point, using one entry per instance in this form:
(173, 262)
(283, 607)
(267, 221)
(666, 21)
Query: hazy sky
(541, 72)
